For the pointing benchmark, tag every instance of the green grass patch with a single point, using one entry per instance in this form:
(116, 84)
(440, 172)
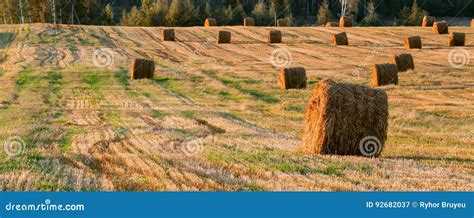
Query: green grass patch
(256, 94)
(158, 114)
(65, 142)
(188, 114)
(5, 39)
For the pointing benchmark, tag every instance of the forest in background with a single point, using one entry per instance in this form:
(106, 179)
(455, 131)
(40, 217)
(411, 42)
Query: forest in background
(227, 12)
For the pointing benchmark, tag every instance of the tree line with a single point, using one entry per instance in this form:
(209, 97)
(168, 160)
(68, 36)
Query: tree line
(227, 12)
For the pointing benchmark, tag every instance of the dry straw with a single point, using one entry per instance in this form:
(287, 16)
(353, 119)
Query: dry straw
(282, 22)
(428, 21)
(384, 74)
(340, 39)
(441, 27)
(142, 69)
(412, 42)
(457, 39)
(341, 115)
(168, 35)
(292, 78)
(210, 22)
(224, 37)
(274, 36)
(248, 21)
(332, 24)
(404, 62)
(345, 22)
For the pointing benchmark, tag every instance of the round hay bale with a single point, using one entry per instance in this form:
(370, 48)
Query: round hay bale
(292, 78)
(275, 36)
(343, 119)
(472, 23)
(412, 42)
(457, 39)
(168, 35)
(428, 21)
(332, 24)
(404, 62)
(282, 22)
(345, 22)
(142, 69)
(248, 21)
(210, 22)
(440, 27)
(384, 74)
(340, 39)
(224, 37)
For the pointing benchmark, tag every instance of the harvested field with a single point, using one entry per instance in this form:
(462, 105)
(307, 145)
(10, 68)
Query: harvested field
(214, 118)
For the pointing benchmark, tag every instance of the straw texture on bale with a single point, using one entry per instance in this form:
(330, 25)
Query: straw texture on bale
(168, 35)
(282, 22)
(248, 21)
(340, 39)
(274, 36)
(345, 22)
(142, 69)
(384, 74)
(404, 62)
(332, 24)
(428, 21)
(210, 22)
(457, 39)
(224, 37)
(413, 42)
(341, 115)
(292, 78)
(441, 27)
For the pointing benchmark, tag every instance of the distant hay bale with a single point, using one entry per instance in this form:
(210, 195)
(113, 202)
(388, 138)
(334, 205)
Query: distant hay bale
(441, 27)
(472, 23)
(224, 37)
(340, 39)
(168, 35)
(345, 22)
(292, 78)
(384, 74)
(345, 119)
(275, 36)
(142, 69)
(412, 42)
(332, 24)
(282, 22)
(457, 39)
(210, 22)
(404, 62)
(248, 21)
(428, 21)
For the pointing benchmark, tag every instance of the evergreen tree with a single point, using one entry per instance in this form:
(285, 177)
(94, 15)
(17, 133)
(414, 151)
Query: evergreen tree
(324, 14)
(372, 18)
(109, 14)
(261, 14)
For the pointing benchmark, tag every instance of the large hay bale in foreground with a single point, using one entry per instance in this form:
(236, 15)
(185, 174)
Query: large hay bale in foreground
(248, 21)
(142, 69)
(345, 22)
(441, 27)
(332, 24)
(428, 21)
(412, 42)
(292, 78)
(404, 62)
(457, 39)
(224, 37)
(340, 39)
(345, 119)
(282, 22)
(384, 74)
(168, 35)
(210, 22)
(274, 36)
